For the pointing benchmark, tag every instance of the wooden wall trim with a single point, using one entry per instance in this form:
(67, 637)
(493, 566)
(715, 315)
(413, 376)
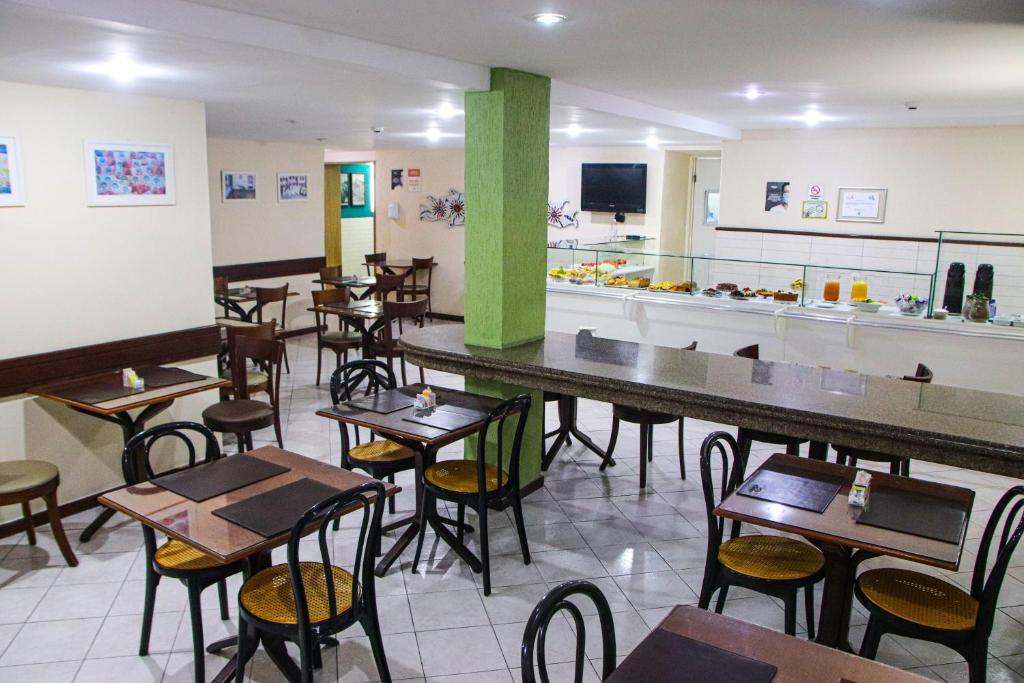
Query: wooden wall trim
(23, 372)
(267, 269)
(855, 236)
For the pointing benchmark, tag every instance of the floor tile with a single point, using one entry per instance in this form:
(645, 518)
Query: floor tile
(461, 650)
(34, 644)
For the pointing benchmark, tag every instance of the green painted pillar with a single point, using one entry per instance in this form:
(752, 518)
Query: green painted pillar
(507, 141)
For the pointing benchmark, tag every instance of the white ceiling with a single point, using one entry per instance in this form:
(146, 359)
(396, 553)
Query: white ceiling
(647, 68)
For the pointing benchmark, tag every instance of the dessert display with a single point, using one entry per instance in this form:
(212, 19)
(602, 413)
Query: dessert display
(711, 291)
(766, 293)
(785, 296)
(737, 294)
(638, 282)
(617, 281)
(726, 287)
(797, 283)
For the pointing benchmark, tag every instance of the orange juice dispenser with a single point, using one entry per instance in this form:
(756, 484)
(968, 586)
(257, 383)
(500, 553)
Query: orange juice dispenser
(831, 292)
(858, 289)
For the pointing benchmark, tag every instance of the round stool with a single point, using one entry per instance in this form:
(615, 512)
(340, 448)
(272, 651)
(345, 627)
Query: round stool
(24, 480)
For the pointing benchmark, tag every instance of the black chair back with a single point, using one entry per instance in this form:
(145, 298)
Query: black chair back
(732, 473)
(922, 375)
(375, 374)
(535, 634)
(985, 588)
(752, 352)
(368, 499)
(520, 406)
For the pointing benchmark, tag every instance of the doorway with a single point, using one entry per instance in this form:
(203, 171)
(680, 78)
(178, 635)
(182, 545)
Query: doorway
(357, 216)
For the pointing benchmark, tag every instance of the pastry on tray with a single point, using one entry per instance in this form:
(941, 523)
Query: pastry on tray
(726, 286)
(786, 296)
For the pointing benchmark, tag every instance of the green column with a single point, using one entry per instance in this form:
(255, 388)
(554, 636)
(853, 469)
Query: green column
(507, 140)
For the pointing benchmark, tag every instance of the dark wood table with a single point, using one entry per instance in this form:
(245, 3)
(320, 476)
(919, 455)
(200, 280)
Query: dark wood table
(424, 441)
(237, 296)
(797, 660)
(844, 542)
(369, 284)
(567, 428)
(194, 523)
(366, 316)
(397, 266)
(151, 401)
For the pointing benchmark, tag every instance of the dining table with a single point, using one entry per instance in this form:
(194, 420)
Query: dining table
(910, 519)
(695, 645)
(366, 283)
(233, 299)
(397, 266)
(199, 524)
(425, 441)
(105, 397)
(364, 315)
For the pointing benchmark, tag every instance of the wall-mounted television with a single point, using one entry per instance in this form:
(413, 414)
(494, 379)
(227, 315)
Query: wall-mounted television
(615, 188)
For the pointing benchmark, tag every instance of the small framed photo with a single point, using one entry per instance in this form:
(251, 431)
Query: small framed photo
(238, 186)
(814, 208)
(712, 200)
(861, 204)
(12, 192)
(292, 187)
(129, 175)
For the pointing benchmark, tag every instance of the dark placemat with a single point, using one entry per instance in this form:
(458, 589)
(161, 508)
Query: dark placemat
(448, 418)
(385, 402)
(156, 376)
(799, 490)
(275, 512)
(913, 513)
(99, 389)
(667, 656)
(221, 476)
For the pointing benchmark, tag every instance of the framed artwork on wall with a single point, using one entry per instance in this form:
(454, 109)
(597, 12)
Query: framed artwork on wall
(814, 209)
(12, 193)
(119, 174)
(712, 200)
(238, 186)
(346, 190)
(292, 187)
(861, 204)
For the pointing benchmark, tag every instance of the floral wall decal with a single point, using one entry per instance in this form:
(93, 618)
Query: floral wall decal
(561, 216)
(450, 207)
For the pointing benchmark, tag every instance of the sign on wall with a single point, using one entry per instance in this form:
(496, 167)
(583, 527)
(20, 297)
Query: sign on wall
(861, 204)
(414, 180)
(815, 192)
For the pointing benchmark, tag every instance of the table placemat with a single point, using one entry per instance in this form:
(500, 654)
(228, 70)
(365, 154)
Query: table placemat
(384, 402)
(914, 513)
(275, 512)
(448, 418)
(100, 389)
(804, 491)
(218, 477)
(156, 376)
(667, 656)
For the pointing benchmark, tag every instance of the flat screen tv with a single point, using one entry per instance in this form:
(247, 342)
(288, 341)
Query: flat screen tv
(615, 188)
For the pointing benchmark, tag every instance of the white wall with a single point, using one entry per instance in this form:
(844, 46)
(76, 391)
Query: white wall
(938, 178)
(82, 275)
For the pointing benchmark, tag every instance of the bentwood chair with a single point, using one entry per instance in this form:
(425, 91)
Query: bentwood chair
(747, 437)
(329, 273)
(177, 559)
(385, 343)
(380, 459)
(305, 601)
(416, 288)
(272, 295)
(557, 600)
(339, 341)
(387, 284)
(241, 415)
(255, 376)
(897, 464)
(773, 565)
(21, 482)
(478, 483)
(220, 293)
(922, 606)
(373, 261)
(646, 419)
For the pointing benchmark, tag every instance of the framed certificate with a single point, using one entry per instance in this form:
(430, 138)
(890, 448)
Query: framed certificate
(861, 204)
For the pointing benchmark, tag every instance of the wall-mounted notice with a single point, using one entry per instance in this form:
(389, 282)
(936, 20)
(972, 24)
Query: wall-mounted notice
(815, 192)
(413, 180)
(862, 204)
(776, 196)
(397, 182)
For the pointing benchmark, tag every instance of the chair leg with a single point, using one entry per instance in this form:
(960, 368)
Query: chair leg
(148, 605)
(744, 442)
(371, 625)
(905, 469)
(977, 666)
(707, 588)
(196, 612)
(790, 601)
(612, 439)
(682, 460)
(319, 359)
(244, 648)
(241, 442)
(895, 466)
(644, 436)
(53, 514)
(391, 499)
(485, 558)
(30, 530)
(277, 430)
(517, 511)
(422, 377)
(723, 592)
(222, 597)
(840, 458)
(460, 517)
(872, 637)
(287, 368)
(306, 657)
(401, 362)
(793, 448)
(809, 605)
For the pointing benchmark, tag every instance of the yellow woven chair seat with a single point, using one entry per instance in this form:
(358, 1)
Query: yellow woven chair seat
(919, 598)
(460, 476)
(268, 595)
(380, 451)
(773, 558)
(184, 557)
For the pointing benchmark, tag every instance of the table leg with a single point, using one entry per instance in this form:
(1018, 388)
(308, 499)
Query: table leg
(413, 530)
(837, 595)
(818, 450)
(567, 426)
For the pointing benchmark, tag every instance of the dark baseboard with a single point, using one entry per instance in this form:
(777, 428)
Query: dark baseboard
(449, 316)
(263, 270)
(21, 373)
(39, 519)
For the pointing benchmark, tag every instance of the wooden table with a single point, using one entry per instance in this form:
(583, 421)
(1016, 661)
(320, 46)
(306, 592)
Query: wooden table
(178, 517)
(365, 316)
(352, 282)
(844, 542)
(235, 297)
(797, 660)
(397, 266)
(152, 401)
(424, 441)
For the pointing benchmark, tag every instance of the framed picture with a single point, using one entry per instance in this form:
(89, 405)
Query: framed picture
(292, 187)
(129, 175)
(346, 189)
(238, 186)
(861, 204)
(358, 189)
(776, 195)
(712, 200)
(396, 178)
(814, 209)
(12, 193)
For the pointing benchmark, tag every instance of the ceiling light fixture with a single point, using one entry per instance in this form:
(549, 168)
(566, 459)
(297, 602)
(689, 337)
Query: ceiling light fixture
(123, 69)
(812, 117)
(548, 18)
(447, 111)
(752, 93)
(651, 141)
(433, 134)
(573, 130)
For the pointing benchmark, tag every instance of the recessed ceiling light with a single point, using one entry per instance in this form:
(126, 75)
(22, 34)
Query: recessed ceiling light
(548, 18)
(447, 111)
(752, 93)
(433, 134)
(652, 141)
(123, 69)
(812, 117)
(574, 130)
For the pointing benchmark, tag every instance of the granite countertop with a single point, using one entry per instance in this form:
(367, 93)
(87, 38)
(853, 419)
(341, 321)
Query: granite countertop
(950, 425)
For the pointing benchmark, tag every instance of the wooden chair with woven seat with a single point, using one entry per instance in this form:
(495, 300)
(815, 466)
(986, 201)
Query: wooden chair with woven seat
(387, 285)
(305, 601)
(746, 437)
(773, 565)
(897, 464)
(21, 482)
(922, 606)
(416, 288)
(329, 273)
(381, 459)
(557, 600)
(176, 559)
(478, 483)
(242, 415)
(339, 341)
(273, 295)
(646, 419)
(256, 377)
(385, 344)
(373, 261)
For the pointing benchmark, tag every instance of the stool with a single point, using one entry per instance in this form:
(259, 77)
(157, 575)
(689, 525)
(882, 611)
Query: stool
(24, 480)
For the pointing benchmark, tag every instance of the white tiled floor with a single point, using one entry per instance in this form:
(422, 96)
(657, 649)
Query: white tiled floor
(646, 552)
